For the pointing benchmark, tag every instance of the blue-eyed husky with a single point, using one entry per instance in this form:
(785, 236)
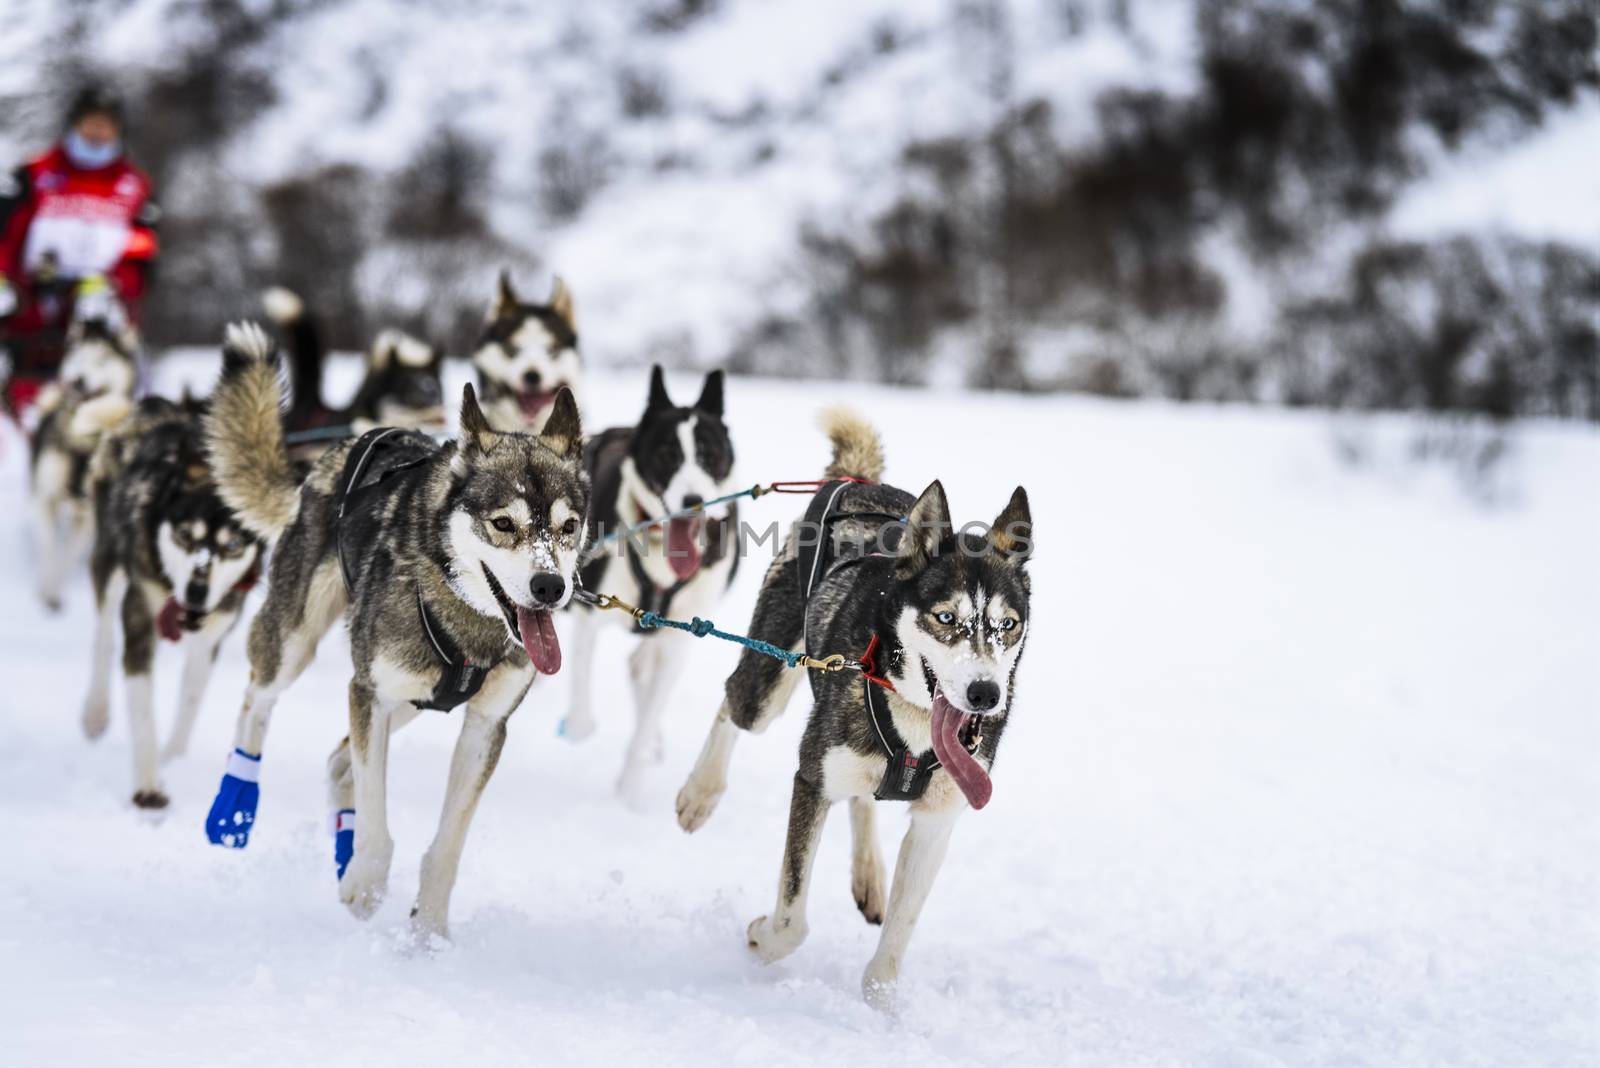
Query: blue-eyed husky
(940, 617)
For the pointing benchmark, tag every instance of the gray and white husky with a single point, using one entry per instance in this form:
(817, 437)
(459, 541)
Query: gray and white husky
(446, 563)
(169, 561)
(93, 390)
(526, 354)
(673, 460)
(942, 616)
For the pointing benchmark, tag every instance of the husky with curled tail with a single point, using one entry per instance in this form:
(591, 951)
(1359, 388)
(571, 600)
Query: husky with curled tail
(446, 562)
(938, 617)
(169, 561)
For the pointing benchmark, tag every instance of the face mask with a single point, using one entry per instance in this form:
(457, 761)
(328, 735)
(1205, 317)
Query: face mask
(90, 157)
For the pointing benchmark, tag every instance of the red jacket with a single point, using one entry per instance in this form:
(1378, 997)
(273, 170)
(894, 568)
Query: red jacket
(91, 222)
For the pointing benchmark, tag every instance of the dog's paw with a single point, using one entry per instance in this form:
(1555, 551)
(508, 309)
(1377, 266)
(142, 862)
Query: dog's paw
(770, 942)
(880, 987)
(366, 881)
(233, 812)
(866, 884)
(361, 894)
(96, 716)
(50, 601)
(576, 728)
(631, 789)
(150, 799)
(428, 929)
(696, 802)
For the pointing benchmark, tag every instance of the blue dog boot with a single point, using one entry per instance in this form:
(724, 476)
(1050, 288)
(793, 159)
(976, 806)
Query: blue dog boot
(344, 838)
(234, 811)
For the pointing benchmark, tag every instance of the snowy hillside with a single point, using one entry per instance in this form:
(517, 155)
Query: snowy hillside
(1158, 198)
(1302, 773)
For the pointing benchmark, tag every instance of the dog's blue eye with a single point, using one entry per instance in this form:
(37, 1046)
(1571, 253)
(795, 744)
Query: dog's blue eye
(1008, 624)
(504, 525)
(946, 618)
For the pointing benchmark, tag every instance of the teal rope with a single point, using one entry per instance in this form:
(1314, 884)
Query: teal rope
(703, 627)
(320, 433)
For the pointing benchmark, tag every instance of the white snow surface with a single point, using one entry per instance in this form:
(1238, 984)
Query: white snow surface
(1303, 771)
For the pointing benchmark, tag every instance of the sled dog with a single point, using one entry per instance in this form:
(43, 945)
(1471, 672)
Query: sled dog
(93, 389)
(446, 562)
(526, 354)
(674, 459)
(169, 561)
(939, 618)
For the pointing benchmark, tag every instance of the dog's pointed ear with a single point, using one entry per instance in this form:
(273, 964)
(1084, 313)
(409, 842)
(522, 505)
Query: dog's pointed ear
(658, 390)
(1012, 533)
(476, 433)
(563, 431)
(711, 395)
(505, 297)
(561, 303)
(926, 526)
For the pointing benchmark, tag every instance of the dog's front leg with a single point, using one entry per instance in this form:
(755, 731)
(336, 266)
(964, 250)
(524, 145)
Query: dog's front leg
(366, 880)
(109, 590)
(579, 722)
(483, 734)
(866, 862)
(698, 797)
(755, 694)
(47, 541)
(654, 667)
(199, 657)
(138, 661)
(921, 854)
(775, 937)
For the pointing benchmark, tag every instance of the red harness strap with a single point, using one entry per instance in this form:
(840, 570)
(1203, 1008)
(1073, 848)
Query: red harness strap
(251, 577)
(869, 665)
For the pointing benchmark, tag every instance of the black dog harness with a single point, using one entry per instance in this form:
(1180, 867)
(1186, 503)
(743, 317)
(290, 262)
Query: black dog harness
(907, 774)
(381, 460)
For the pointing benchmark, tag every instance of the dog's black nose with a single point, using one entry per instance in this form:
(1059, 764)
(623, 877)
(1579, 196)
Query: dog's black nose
(531, 379)
(547, 588)
(982, 695)
(693, 500)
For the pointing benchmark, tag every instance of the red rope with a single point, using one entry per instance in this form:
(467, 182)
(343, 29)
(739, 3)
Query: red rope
(813, 484)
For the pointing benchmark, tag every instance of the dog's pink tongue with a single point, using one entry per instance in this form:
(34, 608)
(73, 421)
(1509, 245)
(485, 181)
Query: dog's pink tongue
(962, 766)
(167, 620)
(539, 639)
(534, 403)
(683, 548)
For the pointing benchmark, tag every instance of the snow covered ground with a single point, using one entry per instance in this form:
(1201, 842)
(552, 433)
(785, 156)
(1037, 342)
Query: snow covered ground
(1304, 771)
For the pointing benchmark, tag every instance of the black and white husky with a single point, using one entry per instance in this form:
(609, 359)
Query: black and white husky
(941, 616)
(446, 562)
(93, 389)
(674, 459)
(526, 354)
(169, 561)
(402, 386)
